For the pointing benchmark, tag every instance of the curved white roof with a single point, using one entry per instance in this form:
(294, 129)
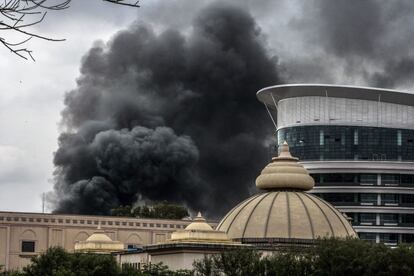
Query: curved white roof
(285, 91)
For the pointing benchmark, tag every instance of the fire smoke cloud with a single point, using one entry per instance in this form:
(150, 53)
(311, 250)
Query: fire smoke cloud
(172, 115)
(167, 116)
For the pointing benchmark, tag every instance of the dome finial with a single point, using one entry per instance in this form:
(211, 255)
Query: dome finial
(284, 172)
(199, 217)
(284, 153)
(284, 150)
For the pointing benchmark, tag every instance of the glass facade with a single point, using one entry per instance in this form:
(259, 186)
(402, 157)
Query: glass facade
(348, 143)
(363, 179)
(370, 209)
(372, 218)
(354, 199)
(327, 179)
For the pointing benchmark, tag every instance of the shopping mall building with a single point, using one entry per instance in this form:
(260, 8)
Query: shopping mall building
(358, 144)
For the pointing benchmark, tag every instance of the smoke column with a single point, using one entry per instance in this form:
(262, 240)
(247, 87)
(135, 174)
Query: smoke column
(363, 43)
(167, 116)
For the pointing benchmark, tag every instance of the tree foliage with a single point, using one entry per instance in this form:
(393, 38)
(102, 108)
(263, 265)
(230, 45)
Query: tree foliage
(327, 257)
(57, 262)
(160, 210)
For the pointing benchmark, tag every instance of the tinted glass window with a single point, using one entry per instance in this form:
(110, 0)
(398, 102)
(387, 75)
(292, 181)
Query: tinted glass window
(348, 142)
(28, 246)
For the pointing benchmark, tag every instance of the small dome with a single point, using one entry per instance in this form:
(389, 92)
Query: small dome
(199, 224)
(98, 243)
(199, 231)
(285, 215)
(99, 237)
(284, 172)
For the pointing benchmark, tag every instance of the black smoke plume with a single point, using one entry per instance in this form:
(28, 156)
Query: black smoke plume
(366, 42)
(167, 116)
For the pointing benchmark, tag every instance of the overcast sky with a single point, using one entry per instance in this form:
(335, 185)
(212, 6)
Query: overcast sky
(314, 42)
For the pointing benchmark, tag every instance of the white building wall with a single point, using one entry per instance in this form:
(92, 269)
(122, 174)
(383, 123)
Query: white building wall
(340, 111)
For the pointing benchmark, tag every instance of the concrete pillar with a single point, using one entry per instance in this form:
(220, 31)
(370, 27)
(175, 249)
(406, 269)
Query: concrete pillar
(7, 266)
(378, 179)
(378, 219)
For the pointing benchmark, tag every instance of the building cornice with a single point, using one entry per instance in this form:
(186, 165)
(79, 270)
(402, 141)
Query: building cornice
(280, 92)
(356, 166)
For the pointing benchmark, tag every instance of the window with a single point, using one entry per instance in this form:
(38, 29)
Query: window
(408, 238)
(390, 199)
(356, 137)
(345, 142)
(368, 218)
(399, 139)
(321, 138)
(368, 199)
(407, 199)
(407, 218)
(368, 179)
(132, 246)
(390, 179)
(368, 236)
(389, 218)
(389, 238)
(28, 246)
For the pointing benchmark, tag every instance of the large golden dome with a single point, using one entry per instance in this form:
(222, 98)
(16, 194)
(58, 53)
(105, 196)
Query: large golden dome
(284, 212)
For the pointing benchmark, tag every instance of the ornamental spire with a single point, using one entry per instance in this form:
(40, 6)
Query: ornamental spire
(284, 173)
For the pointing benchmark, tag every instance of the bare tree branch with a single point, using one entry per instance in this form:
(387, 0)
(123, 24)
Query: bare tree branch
(132, 3)
(17, 16)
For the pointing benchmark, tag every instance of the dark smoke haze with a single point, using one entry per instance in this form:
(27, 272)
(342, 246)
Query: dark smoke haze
(167, 117)
(172, 114)
(366, 42)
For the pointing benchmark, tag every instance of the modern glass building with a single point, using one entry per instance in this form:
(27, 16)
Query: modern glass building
(358, 144)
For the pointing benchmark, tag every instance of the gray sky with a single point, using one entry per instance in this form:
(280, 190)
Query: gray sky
(314, 41)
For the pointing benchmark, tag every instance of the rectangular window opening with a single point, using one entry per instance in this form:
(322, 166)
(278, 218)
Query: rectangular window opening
(28, 246)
